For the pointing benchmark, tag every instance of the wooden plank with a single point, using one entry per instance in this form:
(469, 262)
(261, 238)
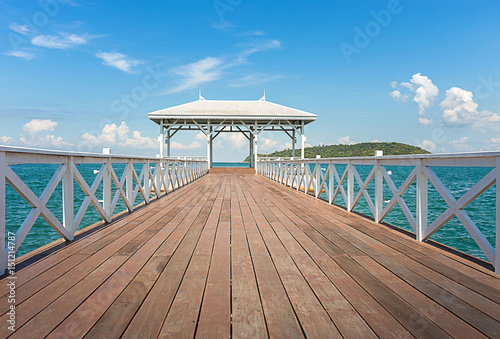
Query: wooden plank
(369, 309)
(391, 302)
(396, 305)
(40, 326)
(436, 291)
(182, 318)
(148, 320)
(248, 315)
(311, 314)
(280, 317)
(238, 255)
(215, 315)
(117, 317)
(484, 323)
(341, 312)
(122, 225)
(454, 326)
(47, 295)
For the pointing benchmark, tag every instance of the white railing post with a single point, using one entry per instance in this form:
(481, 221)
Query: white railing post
(350, 186)
(331, 179)
(158, 179)
(166, 171)
(497, 233)
(3, 256)
(422, 187)
(297, 175)
(106, 190)
(68, 197)
(379, 191)
(318, 179)
(130, 183)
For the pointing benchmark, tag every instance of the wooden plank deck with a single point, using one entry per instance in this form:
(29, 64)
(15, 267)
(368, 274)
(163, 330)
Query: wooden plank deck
(235, 254)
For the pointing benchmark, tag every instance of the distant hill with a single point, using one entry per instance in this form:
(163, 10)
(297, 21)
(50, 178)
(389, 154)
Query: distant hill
(363, 149)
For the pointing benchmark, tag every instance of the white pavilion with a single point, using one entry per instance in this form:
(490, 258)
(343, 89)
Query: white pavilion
(213, 117)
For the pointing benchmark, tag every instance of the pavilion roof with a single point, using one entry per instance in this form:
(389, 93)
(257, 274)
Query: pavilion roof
(232, 110)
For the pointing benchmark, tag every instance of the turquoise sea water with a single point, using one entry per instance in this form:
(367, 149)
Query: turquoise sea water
(230, 164)
(457, 180)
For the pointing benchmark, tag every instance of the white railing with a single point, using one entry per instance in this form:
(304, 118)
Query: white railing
(156, 177)
(299, 174)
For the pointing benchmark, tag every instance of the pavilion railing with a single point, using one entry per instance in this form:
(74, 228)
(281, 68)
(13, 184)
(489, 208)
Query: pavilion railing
(143, 178)
(320, 178)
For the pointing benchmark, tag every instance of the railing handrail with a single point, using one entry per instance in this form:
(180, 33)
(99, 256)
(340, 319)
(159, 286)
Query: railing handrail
(40, 151)
(329, 180)
(156, 177)
(481, 154)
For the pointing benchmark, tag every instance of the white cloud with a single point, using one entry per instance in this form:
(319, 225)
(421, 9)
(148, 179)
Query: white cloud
(255, 79)
(138, 141)
(459, 108)
(345, 140)
(119, 135)
(109, 135)
(462, 144)
(252, 33)
(267, 144)
(38, 134)
(428, 145)
(201, 137)
(178, 145)
(38, 125)
(396, 95)
(118, 60)
(255, 48)
(409, 86)
(47, 140)
(18, 28)
(197, 73)
(425, 92)
(218, 144)
(495, 140)
(211, 69)
(6, 140)
(425, 121)
(63, 41)
(20, 54)
(236, 140)
(287, 145)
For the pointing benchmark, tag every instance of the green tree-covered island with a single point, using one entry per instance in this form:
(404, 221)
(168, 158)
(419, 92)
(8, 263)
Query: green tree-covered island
(363, 149)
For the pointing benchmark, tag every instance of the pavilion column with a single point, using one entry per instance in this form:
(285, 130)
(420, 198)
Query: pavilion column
(293, 143)
(211, 148)
(302, 141)
(251, 149)
(168, 143)
(256, 153)
(162, 139)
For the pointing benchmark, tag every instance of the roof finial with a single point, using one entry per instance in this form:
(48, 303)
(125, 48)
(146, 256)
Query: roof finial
(264, 97)
(200, 97)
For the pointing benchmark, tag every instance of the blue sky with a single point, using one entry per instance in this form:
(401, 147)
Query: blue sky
(82, 75)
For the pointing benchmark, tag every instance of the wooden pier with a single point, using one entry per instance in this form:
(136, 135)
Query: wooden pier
(238, 255)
